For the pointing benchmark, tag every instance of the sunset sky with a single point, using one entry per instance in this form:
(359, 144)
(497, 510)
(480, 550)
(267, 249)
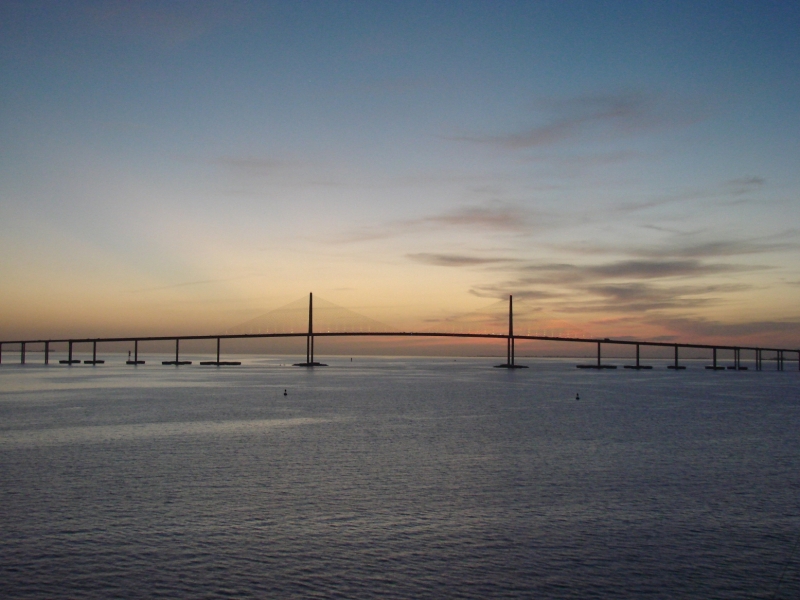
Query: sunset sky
(622, 168)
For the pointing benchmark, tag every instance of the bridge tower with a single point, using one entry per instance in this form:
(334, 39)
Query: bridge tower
(310, 337)
(510, 364)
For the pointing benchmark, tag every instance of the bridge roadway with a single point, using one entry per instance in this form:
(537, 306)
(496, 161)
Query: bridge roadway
(497, 336)
(510, 338)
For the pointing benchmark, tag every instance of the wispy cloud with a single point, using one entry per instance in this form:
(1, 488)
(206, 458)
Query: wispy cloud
(613, 298)
(642, 297)
(656, 269)
(598, 116)
(497, 217)
(455, 260)
(191, 284)
(619, 286)
(719, 249)
(562, 273)
(503, 292)
(692, 246)
(708, 328)
(744, 185)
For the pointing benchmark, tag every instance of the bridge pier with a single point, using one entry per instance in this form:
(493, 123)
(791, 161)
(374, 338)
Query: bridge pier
(676, 366)
(218, 363)
(737, 362)
(69, 360)
(713, 366)
(177, 362)
(638, 366)
(135, 360)
(599, 364)
(94, 360)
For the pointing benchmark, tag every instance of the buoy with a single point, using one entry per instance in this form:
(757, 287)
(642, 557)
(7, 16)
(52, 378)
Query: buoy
(577, 396)
(284, 393)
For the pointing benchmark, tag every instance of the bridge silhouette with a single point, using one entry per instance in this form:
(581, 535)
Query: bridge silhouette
(297, 320)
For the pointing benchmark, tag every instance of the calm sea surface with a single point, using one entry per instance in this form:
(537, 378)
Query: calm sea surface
(397, 478)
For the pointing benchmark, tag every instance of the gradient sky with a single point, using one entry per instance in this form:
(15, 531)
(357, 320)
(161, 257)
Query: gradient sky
(625, 168)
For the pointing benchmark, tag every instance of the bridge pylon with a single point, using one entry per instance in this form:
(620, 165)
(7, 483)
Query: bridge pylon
(510, 364)
(310, 337)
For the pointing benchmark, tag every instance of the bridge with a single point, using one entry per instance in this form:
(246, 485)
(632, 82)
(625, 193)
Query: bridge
(349, 321)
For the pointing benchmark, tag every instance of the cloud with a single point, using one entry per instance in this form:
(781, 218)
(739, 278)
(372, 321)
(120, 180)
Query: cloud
(598, 116)
(191, 283)
(618, 286)
(722, 248)
(564, 273)
(685, 246)
(503, 292)
(726, 194)
(655, 269)
(744, 185)
(707, 328)
(496, 216)
(454, 260)
(641, 297)
(630, 297)
(499, 217)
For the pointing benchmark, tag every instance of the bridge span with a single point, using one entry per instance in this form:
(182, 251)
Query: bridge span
(779, 355)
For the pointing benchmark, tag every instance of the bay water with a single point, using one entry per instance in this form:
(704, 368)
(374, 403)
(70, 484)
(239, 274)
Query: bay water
(397, 478)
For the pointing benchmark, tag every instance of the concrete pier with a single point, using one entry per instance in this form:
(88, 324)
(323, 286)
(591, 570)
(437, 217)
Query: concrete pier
(737, 361)
(69, 360)
(713, 366)
(177, 362)
(135, 360)
(638, 366)
(599, 364)
(220, 363)
(676, 366)
(94, 360)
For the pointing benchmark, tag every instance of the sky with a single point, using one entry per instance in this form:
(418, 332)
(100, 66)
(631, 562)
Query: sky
(624, 169)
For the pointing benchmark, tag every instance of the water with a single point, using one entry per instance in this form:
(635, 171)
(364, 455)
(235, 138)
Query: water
(400, 478)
